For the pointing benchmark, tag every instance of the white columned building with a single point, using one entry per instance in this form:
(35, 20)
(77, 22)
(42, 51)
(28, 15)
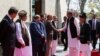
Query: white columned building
(53, 7)
(20, 4)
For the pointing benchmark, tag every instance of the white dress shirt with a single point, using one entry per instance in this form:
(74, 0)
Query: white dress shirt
(94, 24)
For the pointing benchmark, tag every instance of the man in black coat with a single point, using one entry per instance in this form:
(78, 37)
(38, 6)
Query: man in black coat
(94, 25)
(50, 29)
(64, 38)
(84, 36)
(8, 32)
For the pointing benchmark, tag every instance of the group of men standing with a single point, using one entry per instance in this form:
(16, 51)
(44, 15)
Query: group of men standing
(78, 34)
(41, 37)
(44, 35)
(81, 33)
(17, 39)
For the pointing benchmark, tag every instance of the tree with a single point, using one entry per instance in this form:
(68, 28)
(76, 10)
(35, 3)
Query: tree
(82, 5)
(94, 4)
(68, 3)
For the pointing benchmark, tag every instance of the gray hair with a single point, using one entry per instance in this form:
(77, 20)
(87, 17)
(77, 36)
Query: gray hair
(22, 13)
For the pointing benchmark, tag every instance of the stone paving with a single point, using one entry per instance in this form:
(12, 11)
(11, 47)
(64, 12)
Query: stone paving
(59, 51)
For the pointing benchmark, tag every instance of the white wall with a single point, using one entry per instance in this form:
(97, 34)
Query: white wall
(50, 6)
(20, 4)
(63, 8)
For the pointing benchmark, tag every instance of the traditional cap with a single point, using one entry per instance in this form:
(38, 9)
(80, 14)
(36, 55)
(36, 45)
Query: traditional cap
(83, 15)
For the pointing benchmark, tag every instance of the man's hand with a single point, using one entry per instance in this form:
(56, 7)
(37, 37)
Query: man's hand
(23, 45)
(88, 42)
(97, 35)
(45, 41)
(78, 37)
(59, 30)
(42, 35)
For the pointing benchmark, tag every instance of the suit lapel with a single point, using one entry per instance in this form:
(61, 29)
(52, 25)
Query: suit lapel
(38, 27)
(54, 24)
(9, 20)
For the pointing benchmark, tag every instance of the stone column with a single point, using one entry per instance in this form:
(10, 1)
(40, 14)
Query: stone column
(43, 6)
(58, 12)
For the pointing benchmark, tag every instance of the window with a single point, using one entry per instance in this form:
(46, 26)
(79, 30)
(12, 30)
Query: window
(33, 7)
(36, 7)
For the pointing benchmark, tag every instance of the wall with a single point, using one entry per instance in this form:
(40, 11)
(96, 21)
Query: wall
(54, 7)
(50, 6)
(20, 4)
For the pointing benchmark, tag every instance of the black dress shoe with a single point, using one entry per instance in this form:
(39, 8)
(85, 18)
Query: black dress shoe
(65, 49)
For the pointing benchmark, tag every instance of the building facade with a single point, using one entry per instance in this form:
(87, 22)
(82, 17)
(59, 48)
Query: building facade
(53, 7)
(20, 4)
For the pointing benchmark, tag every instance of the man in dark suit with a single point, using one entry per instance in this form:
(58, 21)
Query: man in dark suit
(94, 25)
(64, 38)
(8, 33)
(38, 34)
(84, 36)
(50, 33)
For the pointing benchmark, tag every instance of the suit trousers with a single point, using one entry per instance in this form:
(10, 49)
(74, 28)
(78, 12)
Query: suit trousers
(8, 50)
(64, 40)
(38, 49)
(94, 38)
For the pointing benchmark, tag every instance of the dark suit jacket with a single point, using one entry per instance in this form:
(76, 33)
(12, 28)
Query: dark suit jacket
(64, 33)
(50, 30)
(7, 32)
(85, 33)
(55, 33)
(98, 28)
(90, 22)
(36, 32)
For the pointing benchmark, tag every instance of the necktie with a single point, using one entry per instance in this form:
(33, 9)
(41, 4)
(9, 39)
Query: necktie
(93, 25)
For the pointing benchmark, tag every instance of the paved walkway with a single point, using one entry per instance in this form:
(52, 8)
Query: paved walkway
(59, 51)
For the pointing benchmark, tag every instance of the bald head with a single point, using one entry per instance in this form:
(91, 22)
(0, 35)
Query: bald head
(55, 18)
(49, 17)
(36, 18)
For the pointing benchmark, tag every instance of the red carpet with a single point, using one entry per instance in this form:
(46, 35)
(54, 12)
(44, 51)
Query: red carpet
(95, 53)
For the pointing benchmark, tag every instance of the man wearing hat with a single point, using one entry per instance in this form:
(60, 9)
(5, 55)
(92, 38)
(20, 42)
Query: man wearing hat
(84, 36)
(72, 28)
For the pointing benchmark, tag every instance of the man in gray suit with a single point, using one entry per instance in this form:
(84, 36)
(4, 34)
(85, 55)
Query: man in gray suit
(50, 31)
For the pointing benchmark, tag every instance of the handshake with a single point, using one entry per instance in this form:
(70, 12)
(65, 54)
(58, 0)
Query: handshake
(59, 30)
